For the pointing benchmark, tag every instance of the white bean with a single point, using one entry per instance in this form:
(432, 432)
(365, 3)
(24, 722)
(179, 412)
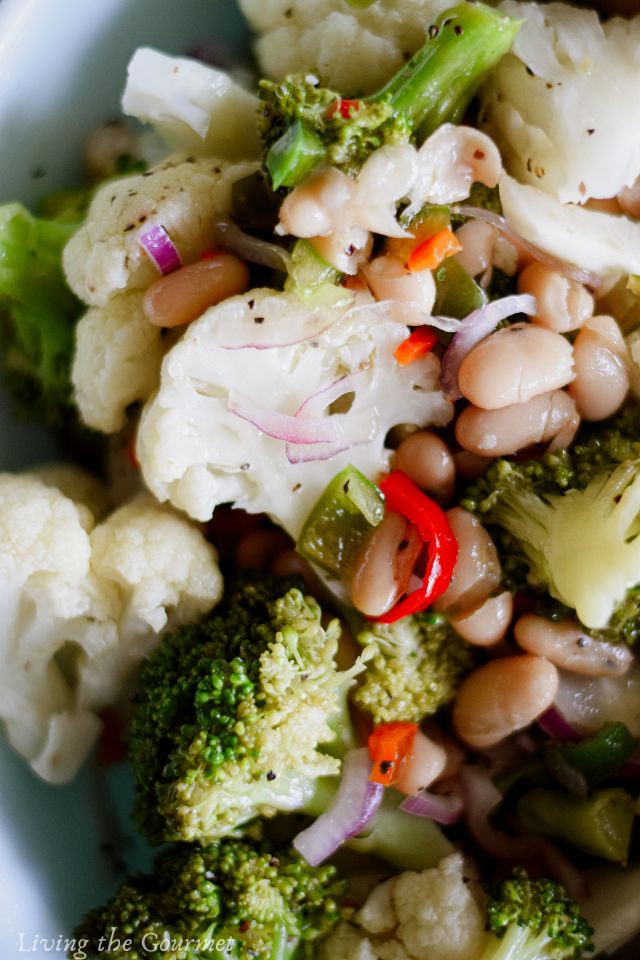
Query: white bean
(602, 374)
(570, 648)
(477, 571)
(185, 294)
(345, 249)
(389, 279)
(312, 208)
(375, 583)
(501, 697)
(562, 304)
(427, 460)
(487, 624)
(514, 365)
(427, 762)
(478, 240)
(497, 433)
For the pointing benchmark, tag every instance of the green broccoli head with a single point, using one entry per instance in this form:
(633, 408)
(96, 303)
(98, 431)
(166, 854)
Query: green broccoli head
(232, 714)
(565, 526)
(531, 919)
(416, 668)
(264, 902)
(37, 313)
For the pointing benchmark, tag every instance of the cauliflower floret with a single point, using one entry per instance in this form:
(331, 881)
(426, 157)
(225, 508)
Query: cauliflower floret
(82, 606)
(351, 50)
(562, 104)
(116, 362)
(195, 107)
(238, 377)
(76, 484)
(431, 915)
(185, 196)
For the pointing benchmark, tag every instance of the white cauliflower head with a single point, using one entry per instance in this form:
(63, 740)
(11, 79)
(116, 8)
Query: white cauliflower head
(116, 361)
(185, 196)
(231, 389)
(433, 915)
(352, 50)
(82, 605)
(562, 104)
(195, 107)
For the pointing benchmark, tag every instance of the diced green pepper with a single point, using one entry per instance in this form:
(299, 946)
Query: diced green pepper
(294, 155)
(599, 756)
(600, 825)
(347, 510)
(457, 294)
(313, 279)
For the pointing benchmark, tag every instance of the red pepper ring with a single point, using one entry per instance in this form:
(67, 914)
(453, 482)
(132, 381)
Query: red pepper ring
(403, 496)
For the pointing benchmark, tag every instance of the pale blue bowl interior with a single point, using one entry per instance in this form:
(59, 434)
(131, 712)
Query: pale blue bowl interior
(62, 69)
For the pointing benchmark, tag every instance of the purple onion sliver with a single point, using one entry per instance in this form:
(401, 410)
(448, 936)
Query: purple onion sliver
(441, 808)
(473, 329)
(555, 724)
(354, 807)
(283, 426)
(161, 249)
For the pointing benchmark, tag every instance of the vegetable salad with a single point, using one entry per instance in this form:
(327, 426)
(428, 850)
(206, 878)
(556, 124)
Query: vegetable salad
(346, 356)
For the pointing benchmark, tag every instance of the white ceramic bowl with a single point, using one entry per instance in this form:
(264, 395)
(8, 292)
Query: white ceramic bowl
(62, 69)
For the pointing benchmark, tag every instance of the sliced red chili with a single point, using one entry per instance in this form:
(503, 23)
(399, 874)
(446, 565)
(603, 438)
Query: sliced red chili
(343, 107)
(419, 343)
(403, 496)
(390, 747)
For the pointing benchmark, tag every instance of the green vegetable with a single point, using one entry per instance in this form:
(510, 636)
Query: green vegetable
(435, 86)
(457, 294)
(532, 919)
(563, 526)
(602, 754)
(600, 825)
(347, 510)
(264, 899)
(417, 664)
(37, 314)
(314, 280)
(233, 714)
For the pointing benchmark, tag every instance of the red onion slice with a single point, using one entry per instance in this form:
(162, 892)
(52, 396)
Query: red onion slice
(354, 807)
(496, 220)
(232, 238)
(159, 246)
(266, 339)
(474, 328)
(282, 426)
(444, 808)
(355, 427)
(554, 723)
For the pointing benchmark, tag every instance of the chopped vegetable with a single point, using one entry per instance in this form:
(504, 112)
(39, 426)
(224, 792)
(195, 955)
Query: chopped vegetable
(313, 279)
(600, 755)
(390, 748)
(159, 246)
(418, 344)
(294, 155)
(430, 253)
(403, 496)
(457, 294)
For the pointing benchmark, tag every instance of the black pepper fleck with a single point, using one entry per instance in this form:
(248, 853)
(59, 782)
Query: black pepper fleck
(251, 304)
(258, 319)
(271, 775)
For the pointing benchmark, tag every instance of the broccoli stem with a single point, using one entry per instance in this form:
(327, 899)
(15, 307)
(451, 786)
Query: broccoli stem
(438, 83)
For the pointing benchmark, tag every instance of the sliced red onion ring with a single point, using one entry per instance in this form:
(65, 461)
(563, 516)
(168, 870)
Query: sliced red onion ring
(496, 220)
(474, 328)
(265, 254)
(265, 338)
(354, 807)
(355, 428)
(444, 808)
(283, 426)
(160, 247)
(557, 726)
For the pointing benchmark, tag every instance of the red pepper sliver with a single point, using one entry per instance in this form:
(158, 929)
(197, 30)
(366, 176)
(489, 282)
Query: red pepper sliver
(390, 746)
(431, 252)
(420, 342)
(343, 107)
(403, 496)
(131, 452)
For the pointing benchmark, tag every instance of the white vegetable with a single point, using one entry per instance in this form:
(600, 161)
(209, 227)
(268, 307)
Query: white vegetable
(612, 905)
(589, 702)
(431, 915)
(82, 606)
(196, 453)
(116, 361)
(185, 197)
(603, 243)
(563, 106)
(196, 108)
(352, 50)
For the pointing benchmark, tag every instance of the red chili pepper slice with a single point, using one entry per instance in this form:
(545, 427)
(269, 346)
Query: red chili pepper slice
(418, 344)
(343, 107)
(403, 496)
(390, 746)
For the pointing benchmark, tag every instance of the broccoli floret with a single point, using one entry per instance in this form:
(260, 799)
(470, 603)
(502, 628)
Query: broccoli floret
(415, 671)
(564, 526)
(303, 124)
(266, 903)
(534, 919)
(37, 313)
(232, 714)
